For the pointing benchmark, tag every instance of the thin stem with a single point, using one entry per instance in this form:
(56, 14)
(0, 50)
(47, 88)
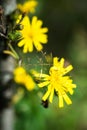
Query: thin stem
(12, 49)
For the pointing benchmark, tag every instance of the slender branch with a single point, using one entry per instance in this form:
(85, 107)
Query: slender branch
(12, 49)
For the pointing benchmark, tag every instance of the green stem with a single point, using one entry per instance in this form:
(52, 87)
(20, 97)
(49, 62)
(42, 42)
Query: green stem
(12, 49)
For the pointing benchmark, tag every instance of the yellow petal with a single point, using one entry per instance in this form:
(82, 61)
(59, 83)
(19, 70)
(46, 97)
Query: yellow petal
(55, 61)
(43, 84)
(61, 101)
(21, 43)
(25, 49)
(67, 99)
(34, 20)
(68, 68)
(38, 46)
(44, 98)
(43, 38)
(39, 23)
(30, 46)
(44, 30)
(70, 91)
(62, 62)
(26, 22)
(36, 74)
(51, 95)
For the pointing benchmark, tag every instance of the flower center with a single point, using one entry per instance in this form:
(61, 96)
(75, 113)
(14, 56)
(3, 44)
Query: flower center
(31, 34)
(54, 77)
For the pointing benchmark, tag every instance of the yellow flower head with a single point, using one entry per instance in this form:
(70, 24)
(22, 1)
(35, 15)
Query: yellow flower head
(57, 82)
(21, 77)
(28, 6)
(32, 34)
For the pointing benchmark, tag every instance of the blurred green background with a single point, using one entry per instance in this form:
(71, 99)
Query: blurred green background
(67, 37)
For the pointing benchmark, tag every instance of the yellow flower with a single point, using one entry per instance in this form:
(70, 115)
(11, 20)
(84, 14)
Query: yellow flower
(32, 33)
(28, 6)
(57, 82)
(21, 77)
